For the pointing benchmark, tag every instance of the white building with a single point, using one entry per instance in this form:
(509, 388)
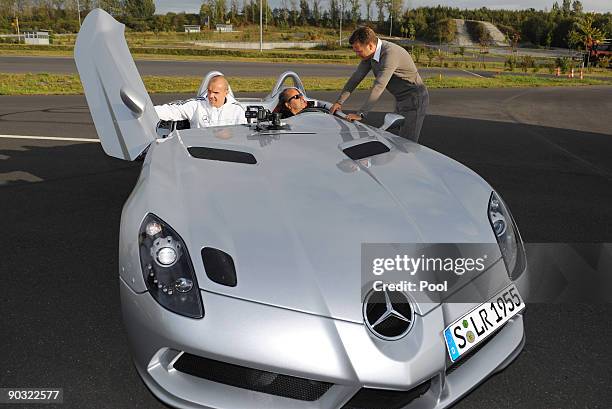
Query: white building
(191, 28)
(224, 28)
(36, 37)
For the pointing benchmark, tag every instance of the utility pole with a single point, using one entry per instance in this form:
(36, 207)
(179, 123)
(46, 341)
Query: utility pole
(341, 18)
(17, 25)
(79, 12)
(391, 25)
(260, 25)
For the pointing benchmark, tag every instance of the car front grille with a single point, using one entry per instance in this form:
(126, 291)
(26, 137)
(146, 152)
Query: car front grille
(252, 379)
(368, 398)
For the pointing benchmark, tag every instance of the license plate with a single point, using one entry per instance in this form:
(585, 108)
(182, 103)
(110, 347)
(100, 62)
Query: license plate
(471, 329)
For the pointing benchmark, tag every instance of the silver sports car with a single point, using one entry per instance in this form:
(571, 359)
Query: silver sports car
(240, 254)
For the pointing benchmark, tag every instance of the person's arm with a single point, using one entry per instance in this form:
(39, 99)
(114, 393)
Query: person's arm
(362, 70)
(389, 64)
(239, 117)
(177, 111)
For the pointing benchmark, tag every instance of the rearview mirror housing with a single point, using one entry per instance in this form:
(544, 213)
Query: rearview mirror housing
(131, 100)
(392, 120)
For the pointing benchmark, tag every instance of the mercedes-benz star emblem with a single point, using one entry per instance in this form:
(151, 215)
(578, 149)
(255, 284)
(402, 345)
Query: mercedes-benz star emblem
(389, 315)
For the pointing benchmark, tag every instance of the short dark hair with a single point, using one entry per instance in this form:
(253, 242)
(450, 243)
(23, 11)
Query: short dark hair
(282, 97)
(363, 35)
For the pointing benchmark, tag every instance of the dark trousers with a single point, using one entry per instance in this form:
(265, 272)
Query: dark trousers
(414, 113)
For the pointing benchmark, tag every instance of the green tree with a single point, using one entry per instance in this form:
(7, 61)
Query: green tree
(566, 7)
(140, 9)
(577, 7)
(584, 34)
(304, 12)
(411, 31)
(355, 11)
(445, 30)
(220, 11)
(205, 13)
(368, 4)
(380, 6)
(113, 7)
(316, 11)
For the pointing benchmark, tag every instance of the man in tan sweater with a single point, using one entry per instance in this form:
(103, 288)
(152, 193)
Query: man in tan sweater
(394, 70)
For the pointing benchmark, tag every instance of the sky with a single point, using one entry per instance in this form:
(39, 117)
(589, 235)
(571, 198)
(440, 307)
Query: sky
(193, 6)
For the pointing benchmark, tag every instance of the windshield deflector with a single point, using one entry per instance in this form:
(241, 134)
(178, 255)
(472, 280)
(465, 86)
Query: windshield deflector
(120, 106)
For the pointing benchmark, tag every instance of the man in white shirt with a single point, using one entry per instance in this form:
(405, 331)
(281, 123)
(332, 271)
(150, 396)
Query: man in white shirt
(217, 108)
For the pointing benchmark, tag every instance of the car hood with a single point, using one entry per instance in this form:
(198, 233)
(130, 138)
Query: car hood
(294, 222)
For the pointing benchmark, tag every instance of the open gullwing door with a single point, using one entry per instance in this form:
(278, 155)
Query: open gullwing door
(120, 106)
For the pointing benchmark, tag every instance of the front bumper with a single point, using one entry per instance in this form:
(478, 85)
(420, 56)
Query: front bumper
(302, 345)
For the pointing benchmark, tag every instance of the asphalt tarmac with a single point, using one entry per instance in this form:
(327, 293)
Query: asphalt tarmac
(547, 151)
(66, 65)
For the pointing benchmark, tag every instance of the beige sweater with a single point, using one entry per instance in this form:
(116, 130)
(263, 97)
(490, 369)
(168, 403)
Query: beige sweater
(395, 71)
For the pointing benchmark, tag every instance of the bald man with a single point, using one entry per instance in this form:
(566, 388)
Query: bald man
(217, 108)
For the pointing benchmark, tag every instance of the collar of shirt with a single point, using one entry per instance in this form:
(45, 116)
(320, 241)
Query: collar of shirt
(377, 52)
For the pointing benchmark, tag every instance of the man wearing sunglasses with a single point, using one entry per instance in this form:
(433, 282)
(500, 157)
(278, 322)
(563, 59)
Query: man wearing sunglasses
(291, 102)
(394, 70)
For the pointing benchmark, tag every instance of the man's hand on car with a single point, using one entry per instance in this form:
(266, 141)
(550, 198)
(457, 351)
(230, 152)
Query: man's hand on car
(353, 117)
(337, 106)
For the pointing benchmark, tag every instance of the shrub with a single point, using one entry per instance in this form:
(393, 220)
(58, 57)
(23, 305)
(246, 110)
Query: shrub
(431, 54)
(604, 62)
(417, 53)
(478, 32)
(526, 62)
(440, 58)
(510, 63)
(329, 46)
(563, 63)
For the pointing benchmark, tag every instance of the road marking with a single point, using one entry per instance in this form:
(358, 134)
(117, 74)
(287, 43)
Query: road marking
(473, 73)
(49, 138)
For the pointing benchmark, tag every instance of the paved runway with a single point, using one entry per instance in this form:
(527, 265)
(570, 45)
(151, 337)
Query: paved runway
(14, 64)
(547, 151)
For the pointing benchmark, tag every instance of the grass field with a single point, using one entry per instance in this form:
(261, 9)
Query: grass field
(58, 84)
(243, 33)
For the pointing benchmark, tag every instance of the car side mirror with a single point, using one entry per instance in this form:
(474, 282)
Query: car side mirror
(392, 120)
(132, 101)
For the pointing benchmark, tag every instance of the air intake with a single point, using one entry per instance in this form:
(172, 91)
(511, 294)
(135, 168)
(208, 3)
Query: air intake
(384, 399)
(252, 379)
(365, 150)
(224, 155)
(219, 266)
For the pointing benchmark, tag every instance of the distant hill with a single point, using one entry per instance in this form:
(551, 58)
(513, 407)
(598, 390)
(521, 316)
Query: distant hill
(464, 36)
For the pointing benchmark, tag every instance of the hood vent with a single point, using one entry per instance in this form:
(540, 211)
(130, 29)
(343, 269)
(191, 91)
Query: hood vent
(219, 266)
(223, 155)
(365, 150)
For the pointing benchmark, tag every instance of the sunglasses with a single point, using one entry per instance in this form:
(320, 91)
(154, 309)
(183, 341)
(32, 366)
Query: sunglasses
(296, 96)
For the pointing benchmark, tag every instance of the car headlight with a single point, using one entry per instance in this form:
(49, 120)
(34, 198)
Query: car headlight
(507, 235)
(167, 269)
